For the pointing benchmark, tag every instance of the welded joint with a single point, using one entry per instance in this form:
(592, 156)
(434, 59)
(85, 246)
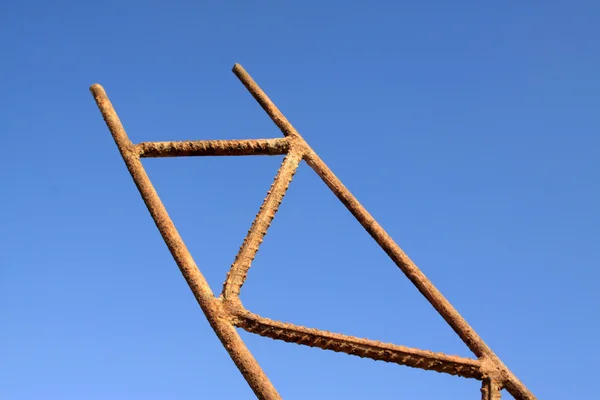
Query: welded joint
(491, 370)
(232, 307)
(299, 146)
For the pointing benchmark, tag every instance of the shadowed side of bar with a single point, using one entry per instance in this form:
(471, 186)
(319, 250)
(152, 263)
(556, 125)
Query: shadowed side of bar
(256, 147)
(212, 308)
(365, 348)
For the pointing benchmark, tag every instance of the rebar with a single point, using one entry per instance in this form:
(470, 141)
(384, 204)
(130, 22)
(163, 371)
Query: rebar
(226, 312)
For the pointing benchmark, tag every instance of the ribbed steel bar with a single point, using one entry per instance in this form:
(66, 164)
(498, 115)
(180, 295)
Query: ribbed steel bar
(212, 308)
(239, 270)
(414, 274)
(490, 390)
(250, 147)
(375, 350)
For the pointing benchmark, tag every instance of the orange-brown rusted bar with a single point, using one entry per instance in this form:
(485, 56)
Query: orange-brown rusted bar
(239, 270)
(490, 390)
(219, 320)
(250, 147)
(361, 347)
(414, 274)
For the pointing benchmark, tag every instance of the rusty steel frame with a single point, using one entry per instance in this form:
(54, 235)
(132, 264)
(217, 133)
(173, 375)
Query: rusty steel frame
(226, 312)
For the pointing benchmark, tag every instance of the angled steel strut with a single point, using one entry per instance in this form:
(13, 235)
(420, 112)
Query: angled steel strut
(226, 312)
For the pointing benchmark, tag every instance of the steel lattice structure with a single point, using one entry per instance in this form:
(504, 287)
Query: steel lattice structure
(226, 312)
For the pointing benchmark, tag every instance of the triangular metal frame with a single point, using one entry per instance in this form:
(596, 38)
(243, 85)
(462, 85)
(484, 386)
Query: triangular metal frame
(226, 312)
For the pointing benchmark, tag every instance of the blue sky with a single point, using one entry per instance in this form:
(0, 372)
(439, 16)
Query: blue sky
(469, 130)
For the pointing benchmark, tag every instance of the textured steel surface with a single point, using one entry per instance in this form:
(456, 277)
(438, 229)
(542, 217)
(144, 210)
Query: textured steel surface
(226, 312)
(213, 148)
(239, 270)
(375, 350)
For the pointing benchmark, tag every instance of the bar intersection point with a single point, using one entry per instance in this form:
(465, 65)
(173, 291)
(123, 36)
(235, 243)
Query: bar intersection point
(226, 312)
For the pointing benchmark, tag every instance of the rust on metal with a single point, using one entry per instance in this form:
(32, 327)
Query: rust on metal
(490, 389)
(365, 348)
(226, 312)
(267, 147)
(237, 274)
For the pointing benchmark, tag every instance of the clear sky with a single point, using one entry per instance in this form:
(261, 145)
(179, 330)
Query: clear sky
(469, 129)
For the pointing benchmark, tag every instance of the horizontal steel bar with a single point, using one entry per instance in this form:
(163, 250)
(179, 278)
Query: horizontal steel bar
(248, 147)
(365, 348)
